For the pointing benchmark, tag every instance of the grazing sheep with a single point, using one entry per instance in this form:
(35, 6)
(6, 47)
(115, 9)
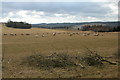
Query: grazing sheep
(11, 34)
(5, 34)
(70, 34)
(74, 33)
(84, 34)
(43, 35)
(37, 33)
(96, 34)
(27, 34)
(54, 34)
(36, 36)
(22, 34)
(88, 33)
(77, 33)
(15, 34)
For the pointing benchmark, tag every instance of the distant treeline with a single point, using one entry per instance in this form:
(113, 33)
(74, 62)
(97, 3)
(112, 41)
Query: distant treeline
(21, 25)
(54, 25)
(85, 26)
(100, 28)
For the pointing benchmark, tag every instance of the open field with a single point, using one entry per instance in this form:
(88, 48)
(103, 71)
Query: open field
(16, 48)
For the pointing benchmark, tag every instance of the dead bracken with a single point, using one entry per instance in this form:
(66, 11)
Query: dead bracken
(62, 60)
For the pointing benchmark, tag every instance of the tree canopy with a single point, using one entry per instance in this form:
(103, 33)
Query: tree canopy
(22, 25)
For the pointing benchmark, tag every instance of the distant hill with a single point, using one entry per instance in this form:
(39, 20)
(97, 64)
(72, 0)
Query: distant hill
(73, 25)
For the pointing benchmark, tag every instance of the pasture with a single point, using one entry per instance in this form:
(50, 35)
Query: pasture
(16, 48)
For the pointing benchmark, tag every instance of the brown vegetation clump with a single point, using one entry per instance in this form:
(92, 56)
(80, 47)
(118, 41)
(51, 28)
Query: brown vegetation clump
(62, 60)
(52, 61)
(92, 60)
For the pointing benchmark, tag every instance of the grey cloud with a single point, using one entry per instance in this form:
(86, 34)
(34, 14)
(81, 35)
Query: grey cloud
(82, 8)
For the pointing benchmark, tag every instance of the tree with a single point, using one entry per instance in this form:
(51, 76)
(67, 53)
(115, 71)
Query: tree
(22, 25)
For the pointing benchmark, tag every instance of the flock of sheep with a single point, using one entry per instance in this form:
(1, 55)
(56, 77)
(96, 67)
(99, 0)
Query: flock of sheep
(54, 34)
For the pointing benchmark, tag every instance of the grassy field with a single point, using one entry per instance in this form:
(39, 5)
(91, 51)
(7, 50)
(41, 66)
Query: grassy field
(16, 48)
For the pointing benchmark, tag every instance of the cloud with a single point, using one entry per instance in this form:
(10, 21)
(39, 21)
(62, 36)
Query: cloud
(104, 0)
(47, 0)
(42, 17)
(59, 12)
(59, 7)
(113, 12)
(60, 0)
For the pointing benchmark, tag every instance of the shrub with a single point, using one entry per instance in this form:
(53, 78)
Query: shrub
(92, 58)
(62, 60)
(52, 61)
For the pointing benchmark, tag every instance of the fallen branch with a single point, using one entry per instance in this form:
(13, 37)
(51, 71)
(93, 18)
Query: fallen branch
(80, 65)
(113, 63)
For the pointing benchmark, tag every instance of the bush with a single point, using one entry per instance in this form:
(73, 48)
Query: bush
(52, 61)
(92, 58)
(63, 60)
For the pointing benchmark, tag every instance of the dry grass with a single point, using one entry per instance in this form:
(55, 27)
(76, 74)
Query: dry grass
(63, 60)
(15, 48)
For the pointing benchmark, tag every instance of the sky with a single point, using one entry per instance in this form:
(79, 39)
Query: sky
(58, 11)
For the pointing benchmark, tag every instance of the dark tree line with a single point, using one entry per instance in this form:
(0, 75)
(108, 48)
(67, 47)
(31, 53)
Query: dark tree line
(21, 25)
(100, 28)
(55, 25)
(116, 29)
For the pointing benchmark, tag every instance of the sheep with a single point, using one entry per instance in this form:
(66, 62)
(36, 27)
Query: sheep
(37, 33)
(73, 33)
(36, 36)
(88, 33)
(11, 34)
(96, 34)
(84, 34)
(70, 34)
(43, 35)
(5, 34)
(27, 34)
(54, 34)
(77, 33)
(15, 34)
(22, 34)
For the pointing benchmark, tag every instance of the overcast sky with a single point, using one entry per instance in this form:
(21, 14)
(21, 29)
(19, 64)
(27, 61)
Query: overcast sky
(59, 11)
